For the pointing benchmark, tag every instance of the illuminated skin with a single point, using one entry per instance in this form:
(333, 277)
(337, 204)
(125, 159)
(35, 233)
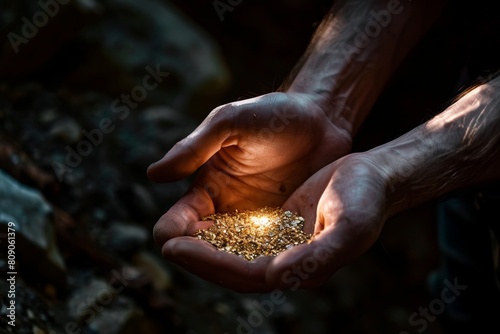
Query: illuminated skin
(350, 199)
(245, 167)
(257, 152)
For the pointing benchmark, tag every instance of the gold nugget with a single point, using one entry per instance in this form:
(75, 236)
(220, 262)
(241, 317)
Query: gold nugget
(250, 234)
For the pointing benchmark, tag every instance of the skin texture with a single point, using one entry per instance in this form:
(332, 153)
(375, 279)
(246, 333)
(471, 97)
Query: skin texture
(350, 199)
(244, 151)
(291, 148)
(347, 202)
(242, 167)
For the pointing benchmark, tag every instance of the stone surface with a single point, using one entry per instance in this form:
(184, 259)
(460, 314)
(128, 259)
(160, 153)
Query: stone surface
(70, 70)
(155, 268)
(174, 45)
(36, 247)
(126, 238)
(33, 311)
(98, 306)
(67, 130)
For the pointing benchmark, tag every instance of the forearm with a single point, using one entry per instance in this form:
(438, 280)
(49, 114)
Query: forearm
(456, 149)
(355, 50)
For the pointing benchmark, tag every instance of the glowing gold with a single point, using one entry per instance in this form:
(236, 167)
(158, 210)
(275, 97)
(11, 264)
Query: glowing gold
(261, 221)
(250, 234)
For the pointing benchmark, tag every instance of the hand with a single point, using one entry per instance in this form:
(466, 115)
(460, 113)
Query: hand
(252, 153)
(344, 206)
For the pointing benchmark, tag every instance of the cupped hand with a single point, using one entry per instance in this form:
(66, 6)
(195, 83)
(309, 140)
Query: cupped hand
(246, 154)
(344, 206)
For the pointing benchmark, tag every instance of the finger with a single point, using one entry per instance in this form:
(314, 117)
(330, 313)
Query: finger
(222, 268)
(193, 151)
(304, 266)
(309, 265)
(184, 217)
(304, 200)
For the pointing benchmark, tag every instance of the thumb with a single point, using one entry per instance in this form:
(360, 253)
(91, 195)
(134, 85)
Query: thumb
(189, 154)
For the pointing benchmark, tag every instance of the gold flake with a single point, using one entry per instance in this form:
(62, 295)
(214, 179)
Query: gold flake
(250, 234)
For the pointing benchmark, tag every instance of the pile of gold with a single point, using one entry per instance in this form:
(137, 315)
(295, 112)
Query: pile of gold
(250, 234)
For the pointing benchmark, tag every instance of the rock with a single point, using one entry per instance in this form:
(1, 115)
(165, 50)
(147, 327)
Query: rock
(67, 130)
(122, 318)
(126, 238)
(146, 136)
(100, 307)
(137, 201)
(90, 297)
(3, 265)
(131, 36)
(37, 330)
(36, 248)
(155, 268)
(17, 163)
(48, 115)
(33, 314)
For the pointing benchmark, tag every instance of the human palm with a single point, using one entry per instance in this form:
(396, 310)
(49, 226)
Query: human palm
(345, 207)
(252, 153)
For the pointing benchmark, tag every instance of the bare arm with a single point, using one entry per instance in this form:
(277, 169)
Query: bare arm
(458, 148)
(257, 152)
(355, 50)
(348, 202)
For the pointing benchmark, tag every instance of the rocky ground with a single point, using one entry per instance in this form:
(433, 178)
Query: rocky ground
(83, 213)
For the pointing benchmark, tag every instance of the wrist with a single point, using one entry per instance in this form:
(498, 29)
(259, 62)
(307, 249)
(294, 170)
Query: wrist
(336, 129)
(346, 66)
(456, 149)
(398, 162)
(346, 95)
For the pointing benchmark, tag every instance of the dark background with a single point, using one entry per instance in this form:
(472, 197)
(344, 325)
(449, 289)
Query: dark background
(65, 79)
